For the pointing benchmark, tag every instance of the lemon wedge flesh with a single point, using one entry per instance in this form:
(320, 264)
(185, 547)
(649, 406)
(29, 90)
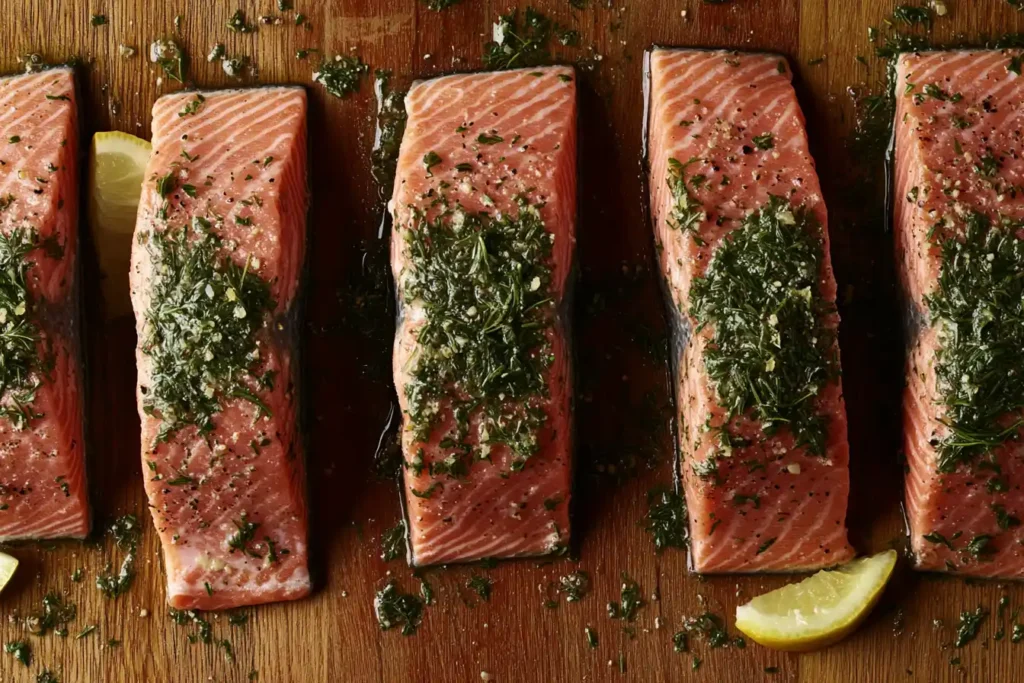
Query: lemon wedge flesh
(820, 610)
(117, 166)
(7, 566)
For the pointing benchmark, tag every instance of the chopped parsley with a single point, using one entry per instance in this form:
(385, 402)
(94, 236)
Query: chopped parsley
(686, 214)
(708, 626)
(485, 139)
(193, 106)
(967, 628)
(392, 543)
(978, 310)
(201, 324)
(20, 339)
(20, 650)
(55, 616)
(483, 348)
(514, 44)
(769, 353)
(431, 159)
(238, 24)
(394, 608)
(910, 15)
(170, 57)
(574, 585)
(341, 76)
(630, 600)
(764, 141)
(481, 585)
(666, 519)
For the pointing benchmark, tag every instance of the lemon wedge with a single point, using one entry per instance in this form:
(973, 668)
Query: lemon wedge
(117, 166)
(7, 566)
(820, 610)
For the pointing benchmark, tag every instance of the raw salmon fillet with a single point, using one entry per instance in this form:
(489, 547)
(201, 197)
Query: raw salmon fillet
(957, 163)
(503, 144)
(227, 494)
(730, 125)
(42, 462)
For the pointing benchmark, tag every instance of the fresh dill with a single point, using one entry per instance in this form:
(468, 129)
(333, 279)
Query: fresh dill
(201, 324)
(770, 353)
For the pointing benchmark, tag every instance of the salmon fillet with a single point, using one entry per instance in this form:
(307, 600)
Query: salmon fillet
(958, 219)
(42, 461)
(762, 425)
(484, 234)
(216, 263)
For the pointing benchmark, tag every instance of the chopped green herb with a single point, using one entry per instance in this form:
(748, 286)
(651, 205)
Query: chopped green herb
(481, 585)
(56, 614)
(681, 641)
(394, 608)
(392, 543)
(1004, 519)
(937, 538)
(20, 650)
(486, 280)
(193, 105)
(764, 141)
(86, 631)
(762, 284)
(341, 76)
(98, 20)
(764, 546)
(910, 15)
(514, 45)
(630, 600)
(431, 159)
(170, 57)
(967, 629)
(978, 311)
(591, 636)
(243, 536)
(201, 323)
(574, 585)
(23, 364)
(485, 139)
(238, 24)
(710, 627)
(666, 519)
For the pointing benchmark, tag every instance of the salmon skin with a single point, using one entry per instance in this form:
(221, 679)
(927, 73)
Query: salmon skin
(481, 252)
(741, 234)
(216, 263)
(958, 216)
(43, 492)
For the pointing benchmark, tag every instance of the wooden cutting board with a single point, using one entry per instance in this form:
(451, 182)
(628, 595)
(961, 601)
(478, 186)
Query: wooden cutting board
(623, 405)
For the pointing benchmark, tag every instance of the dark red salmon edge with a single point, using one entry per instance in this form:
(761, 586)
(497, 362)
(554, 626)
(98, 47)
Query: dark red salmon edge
(67, 315)
(680, 327)
(289, 336)
(566, 310)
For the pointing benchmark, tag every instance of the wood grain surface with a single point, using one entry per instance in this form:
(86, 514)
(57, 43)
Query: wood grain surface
(623, 407)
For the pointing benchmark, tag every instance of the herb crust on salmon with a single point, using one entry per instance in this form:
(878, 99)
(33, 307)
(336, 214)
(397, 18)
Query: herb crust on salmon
(741, 233)
(484, 213)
